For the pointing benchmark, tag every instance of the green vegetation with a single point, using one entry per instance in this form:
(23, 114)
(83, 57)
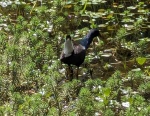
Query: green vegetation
(32, 79)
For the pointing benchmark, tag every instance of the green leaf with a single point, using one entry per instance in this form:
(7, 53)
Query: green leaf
(19, 113)
(130, 100)
(107, 92)
(105, 101)
(140, 60)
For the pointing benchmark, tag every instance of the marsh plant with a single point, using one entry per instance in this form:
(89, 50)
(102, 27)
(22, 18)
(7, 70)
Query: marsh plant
(32, 79)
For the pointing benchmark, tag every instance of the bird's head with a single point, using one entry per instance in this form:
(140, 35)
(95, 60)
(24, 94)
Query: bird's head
(68, 46)
(95, 33)
(98, 33)
(68, 41)
(68, 38)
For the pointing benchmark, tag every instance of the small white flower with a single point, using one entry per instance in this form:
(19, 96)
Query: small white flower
(9, 2)
(124, 91)
(9, 63)
(3, 4)
(42, 92)
(62, 70)
(99, 87)
(99, 99)
(35, 34)
(65, 107)
(126, 104)
(97, 114)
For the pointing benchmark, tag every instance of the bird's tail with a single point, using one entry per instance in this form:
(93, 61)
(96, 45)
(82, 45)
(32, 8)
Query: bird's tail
(86, 41)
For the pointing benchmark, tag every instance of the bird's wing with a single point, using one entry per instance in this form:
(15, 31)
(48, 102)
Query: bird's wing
(63, 55)
(78, 48)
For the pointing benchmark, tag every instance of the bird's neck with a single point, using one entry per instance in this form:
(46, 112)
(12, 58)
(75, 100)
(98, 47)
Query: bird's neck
(68, 48)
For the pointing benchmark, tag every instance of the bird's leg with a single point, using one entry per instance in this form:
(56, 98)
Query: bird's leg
(70, 73)
(67, 73)
(91, 73)
(77, 72)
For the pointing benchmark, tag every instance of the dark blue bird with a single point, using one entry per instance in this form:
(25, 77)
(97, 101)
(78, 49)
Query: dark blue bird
(75, 54)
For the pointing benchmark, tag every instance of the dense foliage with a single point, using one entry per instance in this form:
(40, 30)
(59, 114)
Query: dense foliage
(32, 79)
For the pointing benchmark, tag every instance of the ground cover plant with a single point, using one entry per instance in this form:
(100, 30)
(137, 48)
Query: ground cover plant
(33, 80)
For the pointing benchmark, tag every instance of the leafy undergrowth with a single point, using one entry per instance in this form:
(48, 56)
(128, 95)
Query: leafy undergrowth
(32, 79)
